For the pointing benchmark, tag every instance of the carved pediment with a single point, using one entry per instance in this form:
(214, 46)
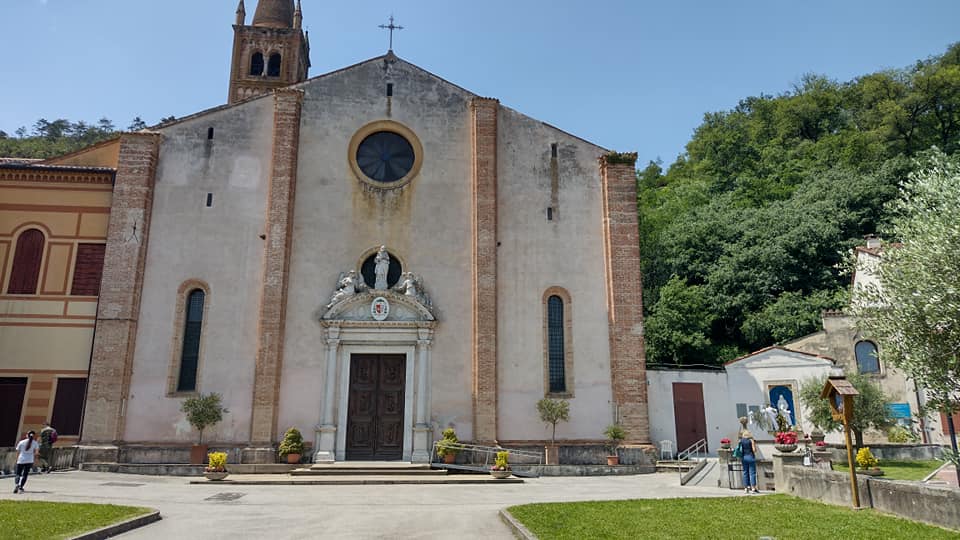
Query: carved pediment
(357, 307)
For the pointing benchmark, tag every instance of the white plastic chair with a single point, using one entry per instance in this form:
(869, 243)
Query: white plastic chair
(666, 448)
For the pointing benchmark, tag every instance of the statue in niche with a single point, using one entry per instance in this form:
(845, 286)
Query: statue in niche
(346, 287)
(380, 269)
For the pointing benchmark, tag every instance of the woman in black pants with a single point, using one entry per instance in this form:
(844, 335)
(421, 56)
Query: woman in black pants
(26, 449)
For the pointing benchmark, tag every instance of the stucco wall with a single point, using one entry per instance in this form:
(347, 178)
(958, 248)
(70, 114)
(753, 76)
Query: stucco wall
(338, 218)
(219, 245)
(535, 254)
(718, 406)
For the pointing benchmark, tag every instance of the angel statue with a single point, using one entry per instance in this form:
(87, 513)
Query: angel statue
(411, 286)
(346, 287)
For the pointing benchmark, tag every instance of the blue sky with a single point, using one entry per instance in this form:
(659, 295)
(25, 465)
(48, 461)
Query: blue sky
(628, 75)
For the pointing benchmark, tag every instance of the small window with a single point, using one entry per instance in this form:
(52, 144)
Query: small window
(741, 410)
(273, 66)
(88, 269)
(256, 64)
(555, 344)
(553, 149)
(209, 200)
(867, 359)
(26, 263)
(389, 89)
(68, 405)
(209, 133)
(190, 355)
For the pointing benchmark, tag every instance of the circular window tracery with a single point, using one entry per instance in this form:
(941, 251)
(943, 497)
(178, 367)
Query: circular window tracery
(385, 156)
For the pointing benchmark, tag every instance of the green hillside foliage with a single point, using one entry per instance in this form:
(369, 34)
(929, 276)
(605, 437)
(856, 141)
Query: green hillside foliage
(49, 139)
(743, 236)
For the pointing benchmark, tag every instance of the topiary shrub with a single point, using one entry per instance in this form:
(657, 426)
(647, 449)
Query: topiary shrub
(203, 411)
(447, 446)
(292, 443)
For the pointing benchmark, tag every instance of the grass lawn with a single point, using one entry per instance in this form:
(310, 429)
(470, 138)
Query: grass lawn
(24, 520)
(900, 470)
(749, 517)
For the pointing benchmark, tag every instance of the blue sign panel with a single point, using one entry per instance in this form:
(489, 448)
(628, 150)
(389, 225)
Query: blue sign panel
(899, 410)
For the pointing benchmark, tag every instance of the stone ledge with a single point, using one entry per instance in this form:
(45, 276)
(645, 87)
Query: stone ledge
(119, 528)
(516, 527)
(585, 470)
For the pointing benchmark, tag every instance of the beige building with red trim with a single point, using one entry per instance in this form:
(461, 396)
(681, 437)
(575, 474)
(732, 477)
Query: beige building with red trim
(53, 224)
(371, 255)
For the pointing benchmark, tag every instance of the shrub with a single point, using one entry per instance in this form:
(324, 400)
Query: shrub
(502, 462)
(217, 462)
(292, 443)
(900, 434)
(865, 459)
(615, 435)
(447, 446)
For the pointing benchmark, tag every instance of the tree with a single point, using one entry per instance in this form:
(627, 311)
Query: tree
(137, 124)
(913, 311)
(553, 411)
(869, 408)
(203, 411)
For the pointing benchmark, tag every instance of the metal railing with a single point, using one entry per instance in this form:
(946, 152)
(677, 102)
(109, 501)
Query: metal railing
(61, 458)
(695, 452)
(481, 458)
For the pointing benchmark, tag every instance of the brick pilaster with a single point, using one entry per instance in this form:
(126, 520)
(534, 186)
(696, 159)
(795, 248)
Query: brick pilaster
(119, 307)
(484, 220)
(276, 261)
(624, 294)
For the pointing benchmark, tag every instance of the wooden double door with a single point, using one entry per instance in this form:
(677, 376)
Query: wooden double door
(375, 407)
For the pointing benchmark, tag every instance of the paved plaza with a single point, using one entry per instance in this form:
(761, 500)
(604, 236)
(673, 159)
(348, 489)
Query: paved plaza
(213, 511)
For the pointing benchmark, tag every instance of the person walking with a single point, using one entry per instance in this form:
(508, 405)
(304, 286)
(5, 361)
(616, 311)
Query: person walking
(748, 451)
(48, 436)
(25, 454)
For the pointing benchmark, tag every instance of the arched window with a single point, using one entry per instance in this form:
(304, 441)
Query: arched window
(273, 67)
(256, 64)
(555, 345)
(26, 263)
(867, 359)
(190, 353)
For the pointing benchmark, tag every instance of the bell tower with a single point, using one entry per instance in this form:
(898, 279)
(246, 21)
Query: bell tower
(271, 52)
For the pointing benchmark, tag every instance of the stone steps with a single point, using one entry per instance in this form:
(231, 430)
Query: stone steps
(368, 469)
(358, 480)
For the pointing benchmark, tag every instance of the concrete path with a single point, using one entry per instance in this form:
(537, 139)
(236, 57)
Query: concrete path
(213, 511)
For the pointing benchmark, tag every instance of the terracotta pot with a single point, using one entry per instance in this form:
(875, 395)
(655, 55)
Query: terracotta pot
(293, 458)
(215, 475)
(500, 475)
(613, 460)
(449, 458)
(552, 455)
(198, 454)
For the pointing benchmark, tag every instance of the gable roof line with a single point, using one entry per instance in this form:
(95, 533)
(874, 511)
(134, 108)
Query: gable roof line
(765, 349)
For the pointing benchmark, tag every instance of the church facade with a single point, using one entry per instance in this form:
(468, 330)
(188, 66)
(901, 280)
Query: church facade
(371, 256)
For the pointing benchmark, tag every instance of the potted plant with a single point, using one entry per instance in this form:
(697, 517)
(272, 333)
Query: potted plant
(820, 452)
(202, 412)
(817, 435)
(615, 436)
(216, 466)
(725, 443)
(552, 412)
(449, 446)
(785, 441)
(867, 463)
(292, 446)
(501, 466)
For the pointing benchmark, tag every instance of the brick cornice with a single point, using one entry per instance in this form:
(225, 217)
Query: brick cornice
(34, 173)
(276, 263)
(484, 254)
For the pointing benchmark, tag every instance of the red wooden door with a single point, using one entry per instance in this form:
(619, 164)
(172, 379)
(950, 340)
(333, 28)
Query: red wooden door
(375, 407)
(12, 390)
(689, 416)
